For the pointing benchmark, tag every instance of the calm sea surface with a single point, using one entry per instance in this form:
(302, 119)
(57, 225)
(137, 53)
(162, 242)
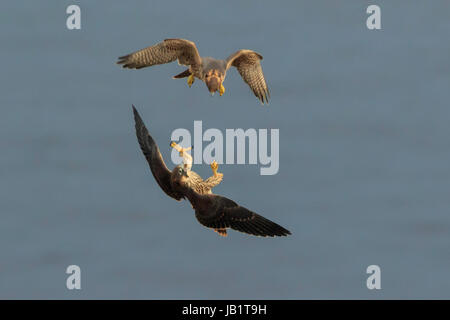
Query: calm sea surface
(364, 151)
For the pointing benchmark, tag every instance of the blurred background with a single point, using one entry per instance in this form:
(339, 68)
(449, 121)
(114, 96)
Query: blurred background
(364, 151)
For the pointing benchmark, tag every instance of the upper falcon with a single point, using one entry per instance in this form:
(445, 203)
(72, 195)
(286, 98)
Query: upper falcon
(211, 71)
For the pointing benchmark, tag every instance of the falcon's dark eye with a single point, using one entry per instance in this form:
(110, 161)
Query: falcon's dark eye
(180, 170)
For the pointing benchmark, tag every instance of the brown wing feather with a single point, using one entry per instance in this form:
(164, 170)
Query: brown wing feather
(164, 52)
(213, 180)
(247, 62)
(154, 158)
(214, 211)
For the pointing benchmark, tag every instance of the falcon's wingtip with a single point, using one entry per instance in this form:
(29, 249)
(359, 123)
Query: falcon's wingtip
(134, 109)
(137, 116)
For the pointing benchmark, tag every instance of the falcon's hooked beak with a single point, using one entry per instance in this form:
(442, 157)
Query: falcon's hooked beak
(184, 173)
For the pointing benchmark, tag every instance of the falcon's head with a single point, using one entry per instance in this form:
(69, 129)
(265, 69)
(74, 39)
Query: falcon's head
(180, 175)
(213, 80)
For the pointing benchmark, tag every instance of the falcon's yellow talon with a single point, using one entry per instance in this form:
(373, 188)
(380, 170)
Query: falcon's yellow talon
(221, 90)
(183, 150)
(177, 147)
(214, 167)
(190, 80)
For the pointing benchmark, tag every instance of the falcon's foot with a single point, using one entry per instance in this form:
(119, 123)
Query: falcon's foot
(221, 232)
(214, 167)
(177, 147)
(190, 80)
(221, 90)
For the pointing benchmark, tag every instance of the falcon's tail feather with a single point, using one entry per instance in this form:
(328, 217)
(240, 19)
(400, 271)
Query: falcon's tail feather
(184, 74)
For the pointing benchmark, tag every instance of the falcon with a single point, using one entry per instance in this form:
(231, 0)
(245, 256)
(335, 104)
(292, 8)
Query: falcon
(211, 210)
(209, 70)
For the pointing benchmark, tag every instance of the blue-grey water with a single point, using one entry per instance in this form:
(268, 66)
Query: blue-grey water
(364, 151)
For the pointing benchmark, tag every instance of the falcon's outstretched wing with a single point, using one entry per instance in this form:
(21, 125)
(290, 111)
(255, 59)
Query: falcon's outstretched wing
(164, 52)
(248, 64)
(214, 211)
(154, 158)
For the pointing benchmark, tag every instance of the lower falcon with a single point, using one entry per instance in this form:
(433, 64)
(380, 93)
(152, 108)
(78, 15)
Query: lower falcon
(211, 210)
